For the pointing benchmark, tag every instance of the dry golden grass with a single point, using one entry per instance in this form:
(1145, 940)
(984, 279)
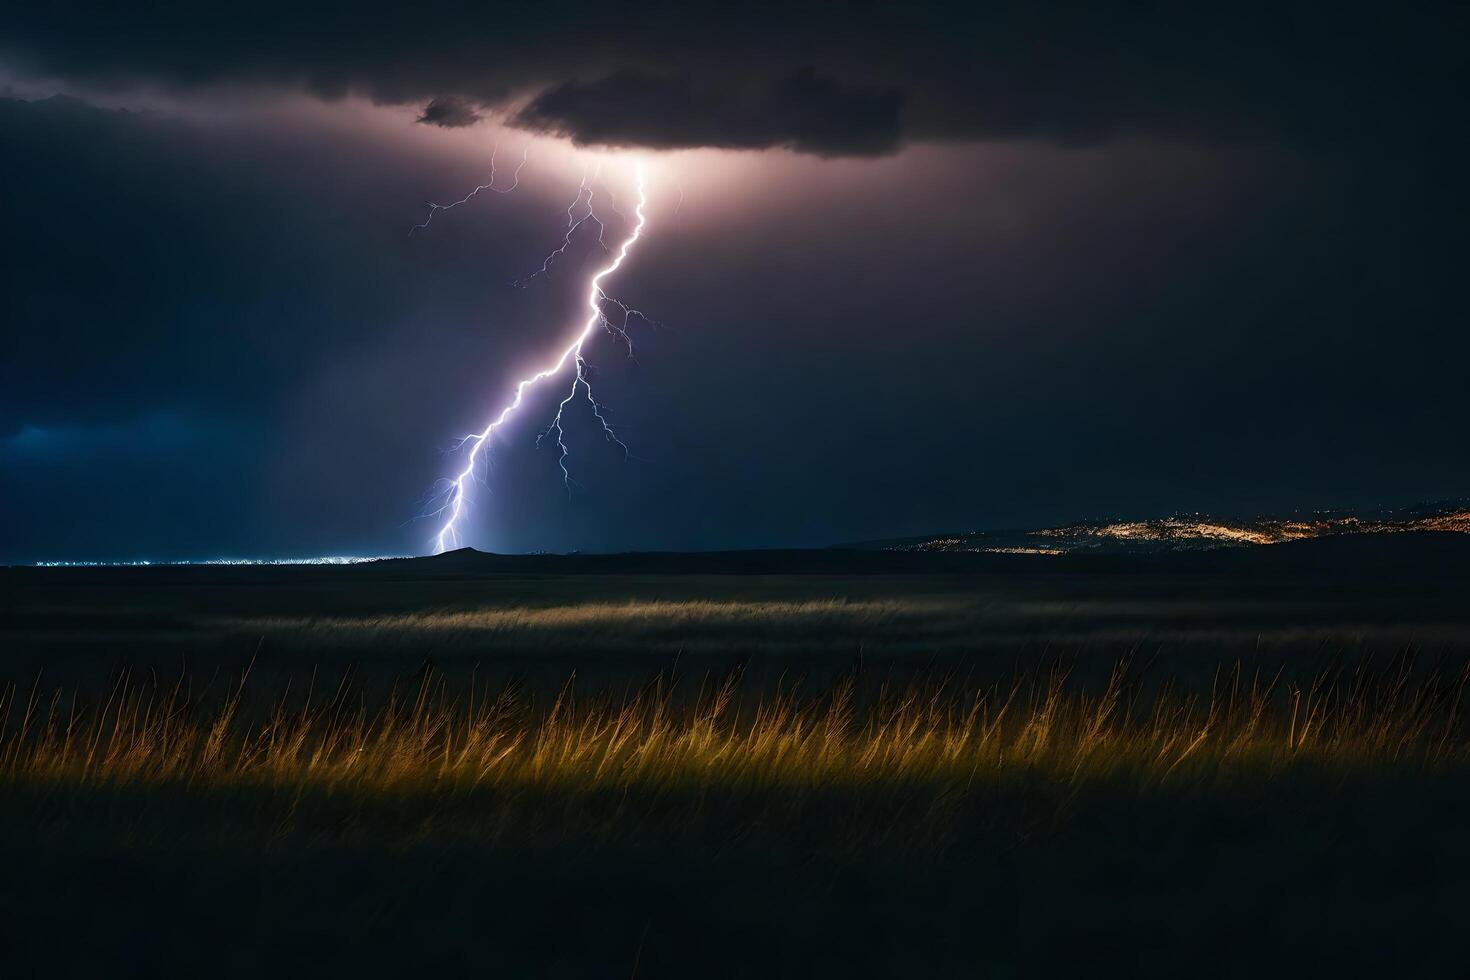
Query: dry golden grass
(621, 616)
(941, 735)
(914, 829)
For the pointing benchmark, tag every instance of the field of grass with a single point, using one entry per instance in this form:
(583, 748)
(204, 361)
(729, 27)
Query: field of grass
(646, 777)
(946, 738)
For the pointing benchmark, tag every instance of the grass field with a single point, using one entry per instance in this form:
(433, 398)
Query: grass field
(601, 776)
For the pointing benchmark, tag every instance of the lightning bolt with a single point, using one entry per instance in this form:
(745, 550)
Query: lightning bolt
(489, 185)
(618, 330)
(453, 492)
(588, 189)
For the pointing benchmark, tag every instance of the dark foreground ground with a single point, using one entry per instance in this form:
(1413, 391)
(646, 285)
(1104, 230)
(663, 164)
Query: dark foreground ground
(1271, 861)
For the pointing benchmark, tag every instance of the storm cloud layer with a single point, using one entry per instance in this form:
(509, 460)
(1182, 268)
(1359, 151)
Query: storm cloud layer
(826, 78)
(805, 112)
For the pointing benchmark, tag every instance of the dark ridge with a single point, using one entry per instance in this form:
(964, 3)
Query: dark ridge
(1433, 553)
(1415, 556)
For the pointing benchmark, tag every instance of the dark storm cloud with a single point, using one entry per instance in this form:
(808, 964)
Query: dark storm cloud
(449, 112)
(805, 112)
(821, 77)
(159, 267)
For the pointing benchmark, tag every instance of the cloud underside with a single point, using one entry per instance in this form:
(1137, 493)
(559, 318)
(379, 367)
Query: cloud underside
(448, 112)
(805, 112)
(854, 79)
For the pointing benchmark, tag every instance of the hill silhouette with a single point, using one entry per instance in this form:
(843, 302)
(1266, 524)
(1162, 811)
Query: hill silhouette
(1413, 554)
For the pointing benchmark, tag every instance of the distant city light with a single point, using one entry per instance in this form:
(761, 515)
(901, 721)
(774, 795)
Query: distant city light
(326, 560)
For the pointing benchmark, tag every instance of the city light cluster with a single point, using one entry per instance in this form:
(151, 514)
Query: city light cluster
(323, 560)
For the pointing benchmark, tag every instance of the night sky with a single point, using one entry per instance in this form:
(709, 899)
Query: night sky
(916, 267)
